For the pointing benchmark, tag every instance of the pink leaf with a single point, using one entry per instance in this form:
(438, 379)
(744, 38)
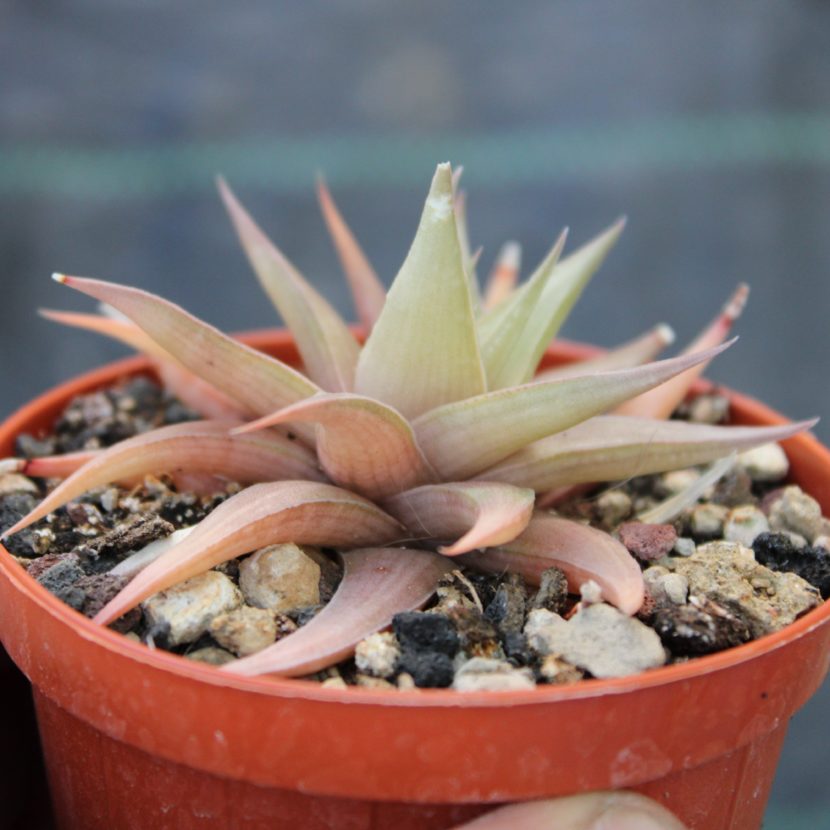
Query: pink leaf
(368, 291)
(377, 584)
(192, 447)
(328, 349)
(189, 388)
(582, 552)
(362, 444)
(661, 402)
(504, 276)
(253, 379)
(480, 513)
(641, 350)
(303, 512)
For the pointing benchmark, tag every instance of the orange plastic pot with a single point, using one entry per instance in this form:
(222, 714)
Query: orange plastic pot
(142, 739)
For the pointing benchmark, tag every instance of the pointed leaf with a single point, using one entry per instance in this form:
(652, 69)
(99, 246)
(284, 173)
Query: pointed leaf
(303, 512)
(582, 552)
(462, 439)
(504, 276)
(195, 446)
(660, 403)
(253, 379)
(139, 560)
(363, 445)
(368, 291)
(327, 347)
(377, 584)
(480, 513)
(513, 336)
(563, 290)
(616, 447)
(190, 389)
(423, 351)
(641, 350)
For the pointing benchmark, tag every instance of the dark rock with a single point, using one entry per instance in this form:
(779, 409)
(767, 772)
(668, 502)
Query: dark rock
(59, 578)
(27, 446)
(507, 608)
(734, 488)
(13, 507)
(777, 552)
(103, 552)
(419, 631)
(516, 649)
(98, 590)
(647, 541)
(702, 628)
(553, 591)
(302, 616)
(429, 669)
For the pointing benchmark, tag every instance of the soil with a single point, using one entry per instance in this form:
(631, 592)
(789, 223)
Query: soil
(472, 616)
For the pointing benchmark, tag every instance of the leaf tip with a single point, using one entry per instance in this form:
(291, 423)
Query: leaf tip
(63, 279)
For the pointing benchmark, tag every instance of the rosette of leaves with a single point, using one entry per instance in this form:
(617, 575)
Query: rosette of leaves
(433, 439)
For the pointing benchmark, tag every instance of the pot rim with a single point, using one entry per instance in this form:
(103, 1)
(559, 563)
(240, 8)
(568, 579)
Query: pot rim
(280, 687)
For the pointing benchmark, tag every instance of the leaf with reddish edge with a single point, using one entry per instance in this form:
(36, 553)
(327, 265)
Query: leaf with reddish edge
(368, 291)
(641, 350)
(480, 513)
(465, 438)
(660, 403)
(615, 447)
(377, 584)
(582, 552)
(423, 350)
(513, 336)
(504, 276)
(303, 512)
(256, 381)
(190, 389)
(362, 444)
(327, 347)
(191, 447)
(48, 466)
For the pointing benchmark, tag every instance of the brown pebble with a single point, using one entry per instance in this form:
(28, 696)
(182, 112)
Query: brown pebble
(646, 541)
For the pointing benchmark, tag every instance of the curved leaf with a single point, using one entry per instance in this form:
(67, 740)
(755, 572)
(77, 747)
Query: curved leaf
(615, 447)
(253, 379)
(423, 350)
(582, 552)
(327, 347)
(377, 584)
(195, 446)
(641, 350)
(464, 438)
(303, 512)
(480, 513)
(660, 403)
(368, 291)
(362, 445)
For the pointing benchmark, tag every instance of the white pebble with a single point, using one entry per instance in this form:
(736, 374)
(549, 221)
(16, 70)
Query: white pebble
(765, 463)
(483, 674)
(378, 654)
(743, 524)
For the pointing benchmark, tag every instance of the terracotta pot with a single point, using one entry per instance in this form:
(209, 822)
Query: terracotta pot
(142, 739)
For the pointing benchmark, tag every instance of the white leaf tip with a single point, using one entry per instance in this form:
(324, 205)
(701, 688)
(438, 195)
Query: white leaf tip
(61, 278)
(665, 333)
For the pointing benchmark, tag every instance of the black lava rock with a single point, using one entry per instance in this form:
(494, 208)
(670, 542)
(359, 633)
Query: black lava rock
(418, 631)
(691, 630)
(553, 591)
(60, 579)
(507, 608)
(13, 507)
(776, 551)
(429, 669)
(103, 552)
(516, 649)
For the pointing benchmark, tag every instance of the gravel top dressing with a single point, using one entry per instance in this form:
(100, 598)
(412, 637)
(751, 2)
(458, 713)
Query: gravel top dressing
(746, 559)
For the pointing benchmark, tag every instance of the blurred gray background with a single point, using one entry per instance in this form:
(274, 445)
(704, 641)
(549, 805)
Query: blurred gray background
(707, 123)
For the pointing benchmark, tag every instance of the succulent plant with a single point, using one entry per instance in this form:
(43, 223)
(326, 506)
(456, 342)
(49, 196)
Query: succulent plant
(433, 439)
